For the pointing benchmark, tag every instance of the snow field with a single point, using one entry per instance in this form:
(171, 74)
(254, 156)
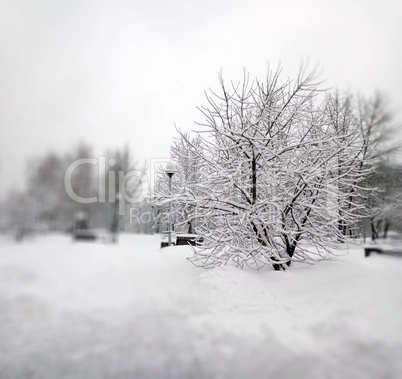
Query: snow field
(132, 310)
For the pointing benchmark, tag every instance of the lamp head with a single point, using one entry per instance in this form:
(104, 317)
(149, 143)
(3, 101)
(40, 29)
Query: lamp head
(170, 169)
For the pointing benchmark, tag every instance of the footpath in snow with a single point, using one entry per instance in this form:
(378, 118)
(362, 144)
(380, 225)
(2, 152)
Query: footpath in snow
(132, 310)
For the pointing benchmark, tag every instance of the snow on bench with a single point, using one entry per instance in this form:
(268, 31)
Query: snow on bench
(390, 246)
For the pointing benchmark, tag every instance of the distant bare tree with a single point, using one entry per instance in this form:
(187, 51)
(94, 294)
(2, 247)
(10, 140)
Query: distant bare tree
(385, 203)
(124, 163)
(367, 122)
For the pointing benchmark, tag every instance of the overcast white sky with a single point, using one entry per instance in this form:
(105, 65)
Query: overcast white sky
(124, 71)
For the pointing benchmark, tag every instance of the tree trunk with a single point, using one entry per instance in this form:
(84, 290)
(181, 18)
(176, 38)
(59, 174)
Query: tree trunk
(374, 231)
(386, 228)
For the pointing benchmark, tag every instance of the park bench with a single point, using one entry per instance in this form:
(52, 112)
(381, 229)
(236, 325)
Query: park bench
(84, 235)
(383, 250)
(185, 240)
(390, 246)
(189, 239)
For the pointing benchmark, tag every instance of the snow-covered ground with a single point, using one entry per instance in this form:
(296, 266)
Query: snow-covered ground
(89, 310)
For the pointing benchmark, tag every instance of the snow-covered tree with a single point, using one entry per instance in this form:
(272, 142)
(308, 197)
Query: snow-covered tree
(270, 159)
(385, 204)
(367, 121)
(188, 172)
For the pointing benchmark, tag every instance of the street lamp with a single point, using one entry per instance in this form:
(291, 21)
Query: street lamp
(170, 170)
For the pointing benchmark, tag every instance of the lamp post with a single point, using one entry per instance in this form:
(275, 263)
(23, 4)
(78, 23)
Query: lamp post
(170, 170)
